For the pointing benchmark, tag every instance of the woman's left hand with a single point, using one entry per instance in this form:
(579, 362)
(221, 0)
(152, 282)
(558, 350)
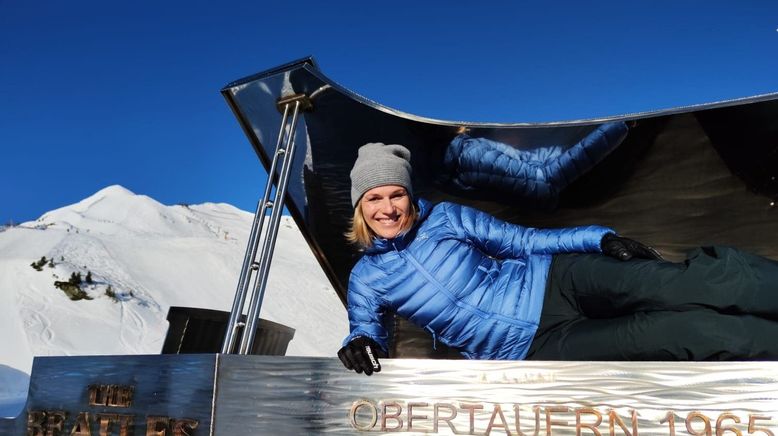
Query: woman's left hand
(361, 355)
(625, 249)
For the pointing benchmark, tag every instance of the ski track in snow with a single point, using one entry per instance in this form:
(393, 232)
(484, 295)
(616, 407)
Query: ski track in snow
(205, 218)
(33, 307)
(136, 329)
(91, 252)
(34, 321)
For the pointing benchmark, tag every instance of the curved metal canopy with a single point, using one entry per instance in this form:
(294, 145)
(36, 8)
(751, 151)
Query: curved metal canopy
(683, 177)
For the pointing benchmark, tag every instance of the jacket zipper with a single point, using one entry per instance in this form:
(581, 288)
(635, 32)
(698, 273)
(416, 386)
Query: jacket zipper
(459, 303)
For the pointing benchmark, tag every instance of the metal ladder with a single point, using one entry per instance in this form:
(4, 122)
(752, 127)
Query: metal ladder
(284, 155)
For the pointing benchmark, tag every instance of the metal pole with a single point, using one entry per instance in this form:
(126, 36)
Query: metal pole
(251, 249)
(249, 332)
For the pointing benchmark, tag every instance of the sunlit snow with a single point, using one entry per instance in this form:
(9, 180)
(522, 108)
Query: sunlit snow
(153, 256)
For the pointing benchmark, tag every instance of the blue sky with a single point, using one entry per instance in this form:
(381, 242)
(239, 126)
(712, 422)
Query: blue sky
(100, 93)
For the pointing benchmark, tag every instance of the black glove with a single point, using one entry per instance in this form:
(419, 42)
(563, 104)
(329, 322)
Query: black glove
(361, 355)
(625, 249)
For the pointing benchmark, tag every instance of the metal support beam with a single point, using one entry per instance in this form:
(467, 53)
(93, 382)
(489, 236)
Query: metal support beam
(260, 261)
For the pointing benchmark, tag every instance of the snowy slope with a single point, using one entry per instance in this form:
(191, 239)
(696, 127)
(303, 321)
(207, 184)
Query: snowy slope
(152, 256)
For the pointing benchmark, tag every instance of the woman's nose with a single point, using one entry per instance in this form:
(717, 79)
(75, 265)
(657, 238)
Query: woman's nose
(386, 206)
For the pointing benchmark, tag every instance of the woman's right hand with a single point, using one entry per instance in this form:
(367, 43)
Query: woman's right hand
(624, 249)
(361, 355)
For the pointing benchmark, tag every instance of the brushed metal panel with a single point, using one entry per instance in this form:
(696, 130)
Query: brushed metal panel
(296, 395)
(172, 386)
(11, 426)
(285, 395)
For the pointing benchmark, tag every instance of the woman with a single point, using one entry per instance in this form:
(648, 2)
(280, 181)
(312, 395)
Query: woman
(496, 290)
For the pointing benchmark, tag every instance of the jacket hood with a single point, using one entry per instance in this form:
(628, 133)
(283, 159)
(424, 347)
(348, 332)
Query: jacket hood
(382, 245)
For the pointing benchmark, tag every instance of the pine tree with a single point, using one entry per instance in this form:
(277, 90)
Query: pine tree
(75, 279)
(111, 293)
(89, 277)
(39, 264)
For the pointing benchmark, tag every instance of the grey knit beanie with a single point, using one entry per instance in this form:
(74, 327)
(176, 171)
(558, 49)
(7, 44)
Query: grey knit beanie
(380, 164)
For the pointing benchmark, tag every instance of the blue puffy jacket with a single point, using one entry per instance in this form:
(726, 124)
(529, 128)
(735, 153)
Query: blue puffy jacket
(474, 282)
(535, 176)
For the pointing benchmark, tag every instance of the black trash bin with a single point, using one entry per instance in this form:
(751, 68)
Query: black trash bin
(194, 330)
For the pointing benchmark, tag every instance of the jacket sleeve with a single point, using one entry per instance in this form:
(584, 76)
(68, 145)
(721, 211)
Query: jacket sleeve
(505, 240)
(538, 174)
(563, 168)
(366, 314)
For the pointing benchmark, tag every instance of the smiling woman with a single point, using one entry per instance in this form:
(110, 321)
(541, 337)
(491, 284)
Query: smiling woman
(496, 290)
(386, 210)
(381, 193)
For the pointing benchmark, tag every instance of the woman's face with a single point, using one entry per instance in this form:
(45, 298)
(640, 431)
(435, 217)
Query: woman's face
(385, 209)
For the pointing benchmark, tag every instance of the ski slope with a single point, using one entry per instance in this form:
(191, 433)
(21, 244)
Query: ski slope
(152, 256)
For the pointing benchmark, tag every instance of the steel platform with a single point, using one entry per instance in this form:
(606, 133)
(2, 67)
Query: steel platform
(214, 394)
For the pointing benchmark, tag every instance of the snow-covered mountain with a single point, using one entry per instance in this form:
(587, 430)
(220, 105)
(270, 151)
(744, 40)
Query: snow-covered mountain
(144, 257)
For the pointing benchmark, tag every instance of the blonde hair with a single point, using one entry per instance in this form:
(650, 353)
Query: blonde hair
(359, 232)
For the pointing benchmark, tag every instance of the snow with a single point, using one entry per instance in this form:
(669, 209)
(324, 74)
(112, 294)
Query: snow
(152, 256)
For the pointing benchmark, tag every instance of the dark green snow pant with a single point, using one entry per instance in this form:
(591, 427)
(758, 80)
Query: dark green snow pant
(719, 304)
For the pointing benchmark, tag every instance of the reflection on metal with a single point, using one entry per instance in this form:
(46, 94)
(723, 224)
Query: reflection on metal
(237, 395)
(118, 395)
(291, 100)
(284, 153)
(467, 397)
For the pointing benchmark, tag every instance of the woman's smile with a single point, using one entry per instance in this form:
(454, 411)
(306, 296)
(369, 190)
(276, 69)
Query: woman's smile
(385, 209)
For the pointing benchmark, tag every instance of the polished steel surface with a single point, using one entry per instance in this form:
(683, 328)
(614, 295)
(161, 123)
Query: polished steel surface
(247, 395)
(309, 64)
(286, 155)
(71, 395)
(251, 250)
(262, 395)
